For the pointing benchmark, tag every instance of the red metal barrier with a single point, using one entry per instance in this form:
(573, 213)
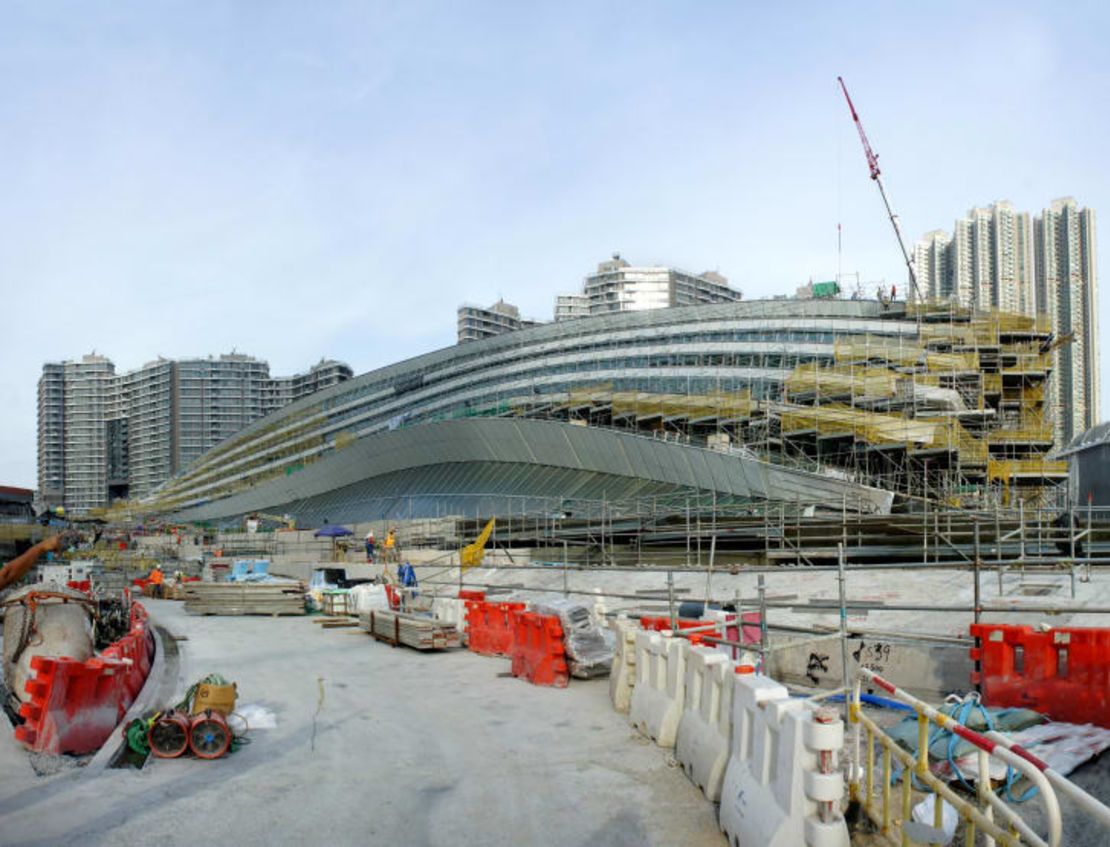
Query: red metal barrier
(490, 627)
(74, 706)
(538, 650)
(1064, 672)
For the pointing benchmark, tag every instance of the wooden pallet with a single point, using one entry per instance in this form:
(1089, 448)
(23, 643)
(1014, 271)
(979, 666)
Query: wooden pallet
(415, 631)
(248, 598)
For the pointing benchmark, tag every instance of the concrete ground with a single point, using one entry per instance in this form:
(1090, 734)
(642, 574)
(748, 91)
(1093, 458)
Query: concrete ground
(373, 745)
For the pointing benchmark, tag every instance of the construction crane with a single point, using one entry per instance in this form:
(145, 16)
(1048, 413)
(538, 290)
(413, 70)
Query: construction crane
(471, 555)
(876, 175)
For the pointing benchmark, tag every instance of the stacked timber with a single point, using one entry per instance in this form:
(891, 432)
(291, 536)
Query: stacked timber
(414, 631)
(245, 598)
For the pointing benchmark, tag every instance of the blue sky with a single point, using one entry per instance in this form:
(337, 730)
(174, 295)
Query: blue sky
(299, 180)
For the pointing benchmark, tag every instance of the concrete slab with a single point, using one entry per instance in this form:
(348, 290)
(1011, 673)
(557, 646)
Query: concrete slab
(401, 748)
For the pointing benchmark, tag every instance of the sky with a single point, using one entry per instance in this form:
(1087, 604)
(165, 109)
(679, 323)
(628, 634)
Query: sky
(307, 180)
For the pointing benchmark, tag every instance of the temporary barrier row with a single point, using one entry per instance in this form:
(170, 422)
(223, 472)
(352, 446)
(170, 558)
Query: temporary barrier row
(1063, 672)
(490, 626)
(658, 695)
(705, 729)
(783, 785)
(978, 813)
(538, 651)
(622, 674)
(74, 706)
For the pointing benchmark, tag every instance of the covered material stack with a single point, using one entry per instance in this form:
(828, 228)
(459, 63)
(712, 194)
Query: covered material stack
(589, 648)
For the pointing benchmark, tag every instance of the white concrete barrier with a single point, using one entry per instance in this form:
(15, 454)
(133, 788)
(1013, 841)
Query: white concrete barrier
(705, 731)
(774, 783)
(451, 610)
(658, 695)
(622, 676)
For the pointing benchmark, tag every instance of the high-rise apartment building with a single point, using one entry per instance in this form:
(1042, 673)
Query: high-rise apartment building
(571, 306)
(104, 436)
(87, 401)
(987, 262)
(618, 286)
(51, 435)
(1067, 292)
(476, 323)
(931, 262)
(284, 390)
(998, 258)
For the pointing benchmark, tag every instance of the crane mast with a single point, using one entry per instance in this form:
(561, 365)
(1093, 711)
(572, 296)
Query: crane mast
(876, 175)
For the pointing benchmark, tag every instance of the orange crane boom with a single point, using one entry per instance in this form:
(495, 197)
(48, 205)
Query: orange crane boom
(876, 175)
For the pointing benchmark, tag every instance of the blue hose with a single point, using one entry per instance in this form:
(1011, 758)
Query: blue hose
(961, 712)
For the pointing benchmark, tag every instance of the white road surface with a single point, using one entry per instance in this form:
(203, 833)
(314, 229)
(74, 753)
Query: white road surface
(407, 749)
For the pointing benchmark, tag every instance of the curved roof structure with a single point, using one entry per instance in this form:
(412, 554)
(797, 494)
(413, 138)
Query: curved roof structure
(1098, 434)
(709, 354)
(481, 461)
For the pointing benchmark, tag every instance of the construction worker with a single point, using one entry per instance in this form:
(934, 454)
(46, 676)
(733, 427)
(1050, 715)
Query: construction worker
(155, 581)
(370, 547)
(392, 551)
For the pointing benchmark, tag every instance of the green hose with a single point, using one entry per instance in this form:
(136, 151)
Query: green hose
(136, 734)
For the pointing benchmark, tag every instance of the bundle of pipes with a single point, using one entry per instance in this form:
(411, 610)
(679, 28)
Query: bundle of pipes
(248, 598)
(414, 631)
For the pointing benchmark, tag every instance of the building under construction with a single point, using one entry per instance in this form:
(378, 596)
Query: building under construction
(955, 412)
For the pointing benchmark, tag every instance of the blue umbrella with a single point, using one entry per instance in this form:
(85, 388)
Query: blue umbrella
(332, 530)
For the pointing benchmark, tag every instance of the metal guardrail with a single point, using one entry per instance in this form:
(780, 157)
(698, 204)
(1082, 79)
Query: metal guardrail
(978, 813)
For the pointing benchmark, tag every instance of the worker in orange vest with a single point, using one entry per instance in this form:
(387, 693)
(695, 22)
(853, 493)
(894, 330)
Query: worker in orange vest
(155, 579)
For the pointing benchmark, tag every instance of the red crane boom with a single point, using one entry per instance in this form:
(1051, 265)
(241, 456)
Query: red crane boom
(873, 166)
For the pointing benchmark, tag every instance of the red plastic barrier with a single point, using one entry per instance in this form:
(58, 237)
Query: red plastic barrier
(80, 585)
(538, 651)
(394, 597)
(490, 627)
(1064, 672)
(74, 706)
(471, 594)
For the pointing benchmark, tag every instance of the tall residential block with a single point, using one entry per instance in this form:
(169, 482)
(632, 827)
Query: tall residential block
(51, 436)
(1067, 291)
(618, 286)
(999, 258)
(104, 436)
(476, 323)
(987, 262)
(87, 403)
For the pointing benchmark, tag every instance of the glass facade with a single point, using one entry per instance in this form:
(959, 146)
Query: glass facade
(717, 350)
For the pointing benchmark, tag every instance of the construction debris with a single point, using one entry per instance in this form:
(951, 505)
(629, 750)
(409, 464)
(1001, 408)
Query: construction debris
(414, 631)
(258, 598)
